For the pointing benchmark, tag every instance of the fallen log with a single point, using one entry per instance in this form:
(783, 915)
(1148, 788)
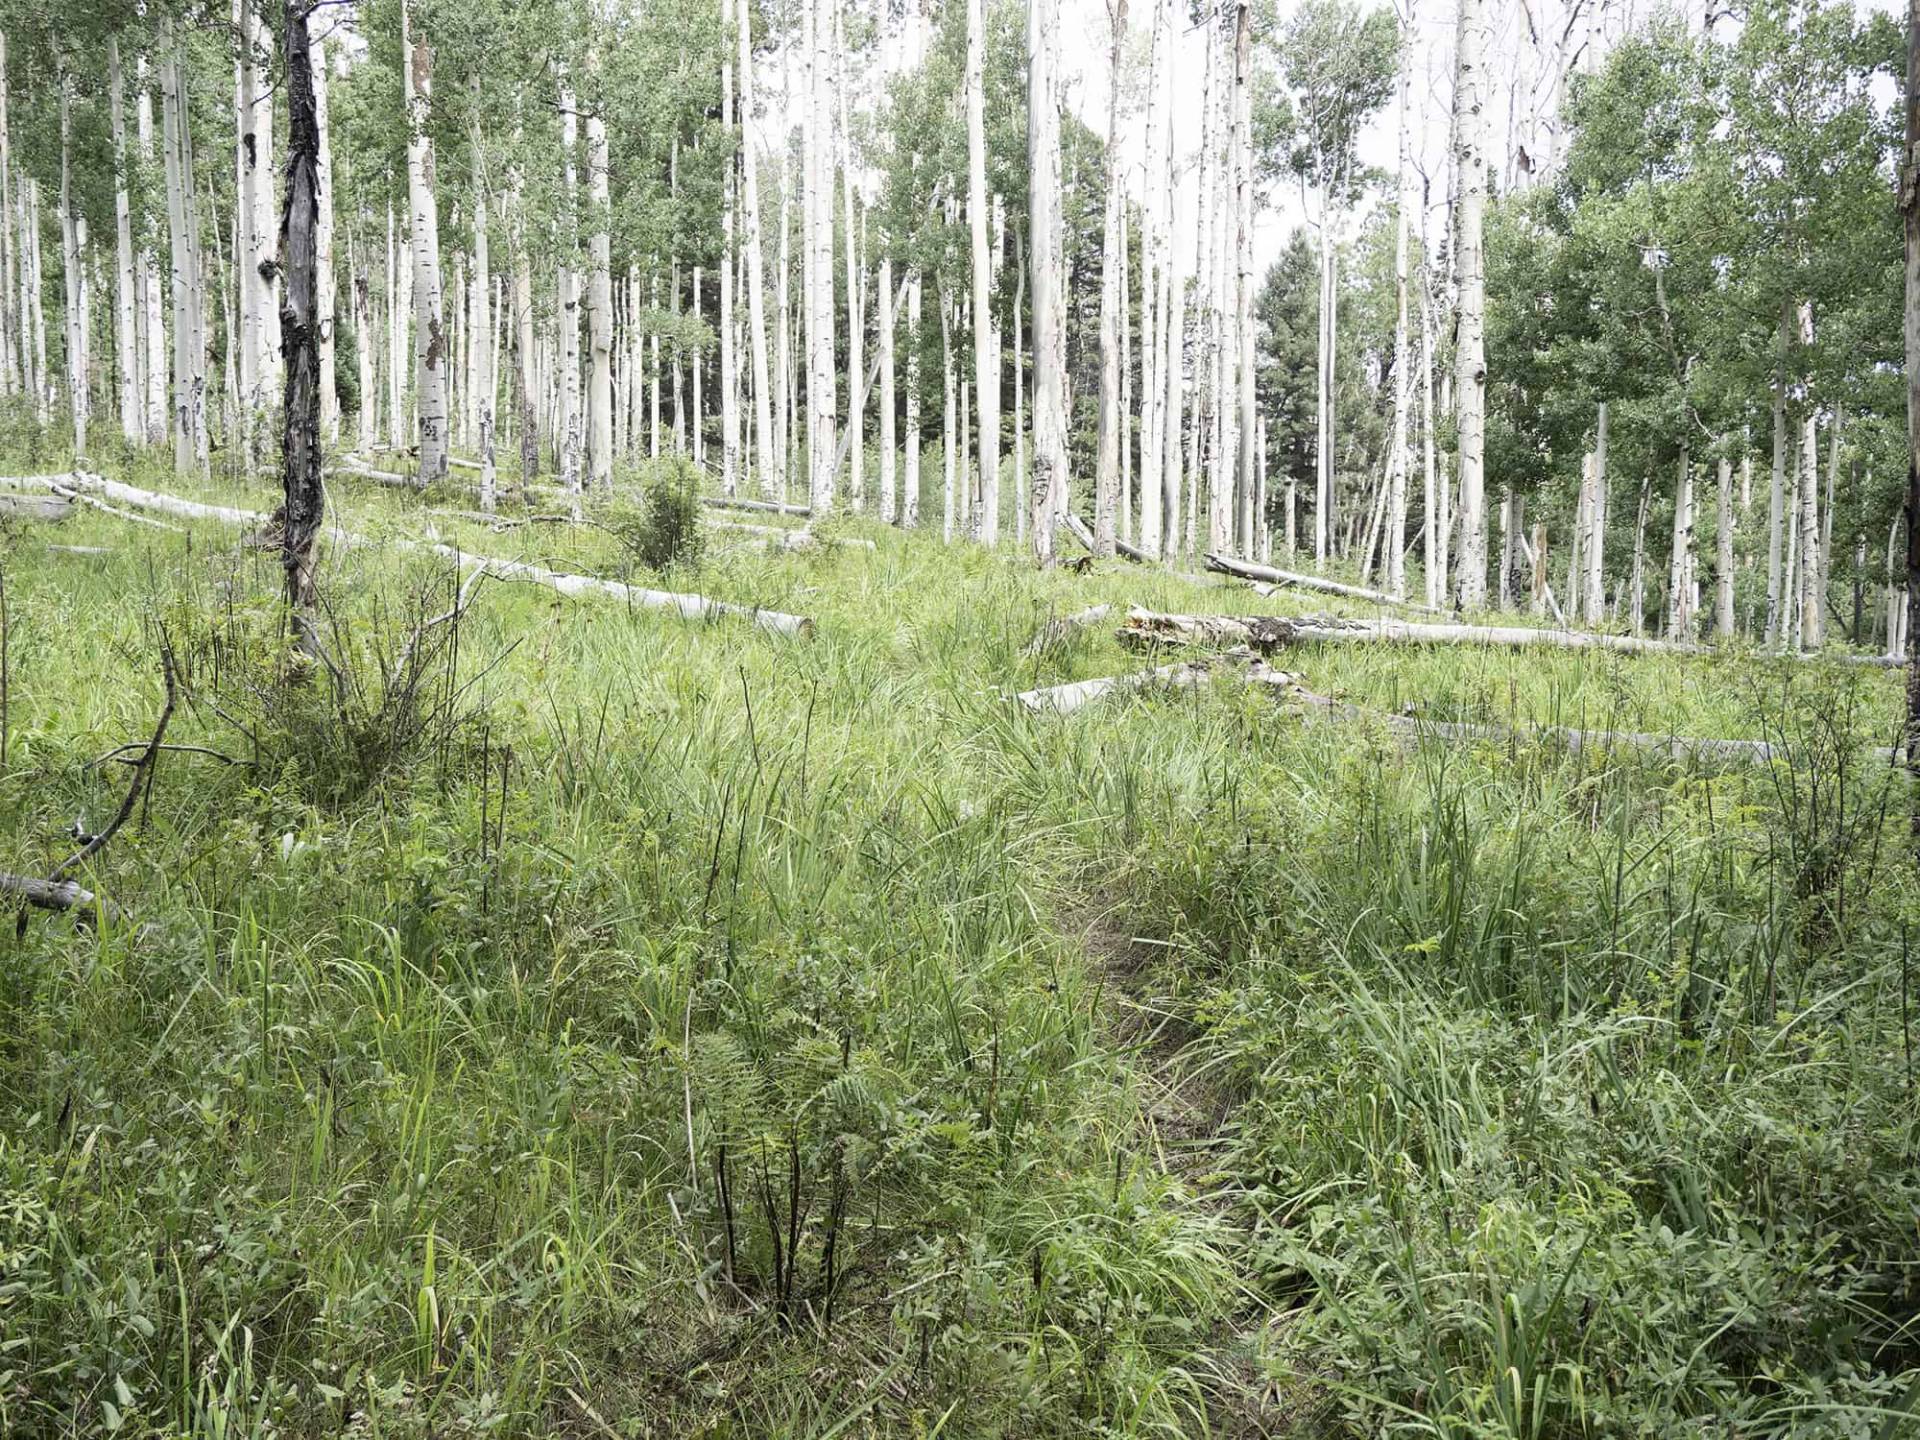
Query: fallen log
(1249, 570)
(741, 502)
(35, 507)
(1064, 699)
(1268, 631)
(688, 606)
(59, 895)
(390, 478)
(80, 550)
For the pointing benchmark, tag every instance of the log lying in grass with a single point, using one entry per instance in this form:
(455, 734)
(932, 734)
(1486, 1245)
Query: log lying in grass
(349, 465)
(741, 502)
(35, 507)
(59, 895)
(1267, 574)
(81, 550)
(1267, 631)
(1064, 699)
(689, 606)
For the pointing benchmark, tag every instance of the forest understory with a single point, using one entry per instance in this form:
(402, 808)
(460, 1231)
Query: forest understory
(567, 1018)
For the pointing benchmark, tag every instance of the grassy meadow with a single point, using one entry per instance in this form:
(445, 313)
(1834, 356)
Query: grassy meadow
(575, 1021)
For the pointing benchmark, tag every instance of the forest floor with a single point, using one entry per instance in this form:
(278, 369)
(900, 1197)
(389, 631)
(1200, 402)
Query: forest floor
(576, 1020)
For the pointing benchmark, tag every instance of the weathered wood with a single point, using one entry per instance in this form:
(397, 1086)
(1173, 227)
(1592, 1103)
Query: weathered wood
(741, 502)
(1064, 699)
(1268, 631)
(59, 895)
(348, 465)
(687, 606)
(1249, 570)
(35, 507)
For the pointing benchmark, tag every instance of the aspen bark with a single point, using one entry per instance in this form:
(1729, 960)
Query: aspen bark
(567, 424)
(126, 350)
(1248, 523)
(481, 320)
(889, 502)
(304, 502)
(1680, 560)
(985, 351)
(1049, 336)
(430, 384)
(856, 316)
(1470, 360)
(599, 309)
(154, 332)
(1812, 598)
(910, 498)
(1108, 442)
(946, 418)
(821, 393)
(12, 357)
(729, 358)
(1398, 458)
(1171, 421)
(73, 304)
(1723, 560)
(325, 296)
(1595, 558)
(771, 482)
(189, 347)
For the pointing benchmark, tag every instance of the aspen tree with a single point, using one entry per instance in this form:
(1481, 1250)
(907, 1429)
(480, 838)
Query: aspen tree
(430, 341)
(1470, 348)
(1049, 337)
(985, 351)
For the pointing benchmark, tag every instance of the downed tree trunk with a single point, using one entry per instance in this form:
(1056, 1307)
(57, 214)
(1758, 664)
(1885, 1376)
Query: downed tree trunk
(1064, 699)
(688, 606)
(1248, 570)
(741, 502)
(35, 507)
(347, 465)
(1265, 632)
(51, 894)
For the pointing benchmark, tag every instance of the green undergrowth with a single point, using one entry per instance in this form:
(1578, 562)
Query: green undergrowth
(566, 1019)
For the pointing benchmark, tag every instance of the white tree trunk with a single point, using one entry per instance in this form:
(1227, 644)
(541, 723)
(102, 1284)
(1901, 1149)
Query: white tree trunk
(599, 309)
(1777, 496)
(567, 425)
(12, 358)
(481, 322)
(1049, 333)
(1112, 297)
(1250, 520)
(1470, 352)
(1723, 562)
(823, 401)
(1153, 318)
(326, 300)
(1680, 559)
(889, 447)
(154, 331)
(127, 353)
(729, 359)
(1398, 459)
(430, 342)
(772, 483)
(1812, 597)
(189, 349)
(910, 481)
(362, 286)
(1595, 558)
(73, 301)
(856, 313)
